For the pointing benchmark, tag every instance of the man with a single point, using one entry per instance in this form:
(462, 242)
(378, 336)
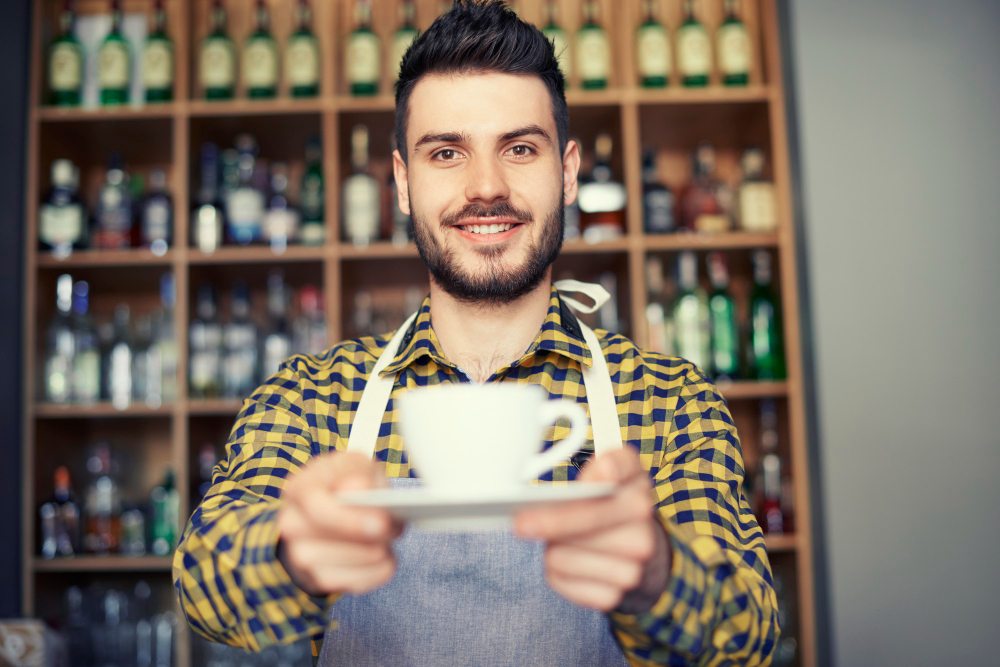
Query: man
(668, 569)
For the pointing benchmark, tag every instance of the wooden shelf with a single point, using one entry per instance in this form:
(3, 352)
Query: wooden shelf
(373, 104)
(726, 241)
(781, 543)
(752, 389)
(98, 410)
(256, 255)
(104, 564)
(102, 258)
(576, 97)
(708, 95)
(581, 247)
(166, 111)
(224, 407)
(245, 107)
(378, 250)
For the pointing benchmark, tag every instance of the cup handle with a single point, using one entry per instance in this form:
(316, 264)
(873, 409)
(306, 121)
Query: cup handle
(550, 412)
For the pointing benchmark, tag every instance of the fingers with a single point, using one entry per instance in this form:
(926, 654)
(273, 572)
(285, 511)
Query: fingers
(590, 594)
(573, 563)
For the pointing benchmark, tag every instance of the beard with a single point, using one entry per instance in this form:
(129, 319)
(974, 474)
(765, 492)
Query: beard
(497, 284)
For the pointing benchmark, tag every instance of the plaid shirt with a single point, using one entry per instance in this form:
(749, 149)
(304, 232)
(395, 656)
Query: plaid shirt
(719, 606)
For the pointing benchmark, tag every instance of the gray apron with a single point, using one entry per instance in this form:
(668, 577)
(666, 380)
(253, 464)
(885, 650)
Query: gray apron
(476, 598)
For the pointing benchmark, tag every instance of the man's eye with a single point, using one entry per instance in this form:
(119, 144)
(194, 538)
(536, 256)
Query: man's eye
(522, 150)
(446, 154)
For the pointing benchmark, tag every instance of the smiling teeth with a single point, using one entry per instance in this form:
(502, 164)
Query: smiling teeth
(487, 229)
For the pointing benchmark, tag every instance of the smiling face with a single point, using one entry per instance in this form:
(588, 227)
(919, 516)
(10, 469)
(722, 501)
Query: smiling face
(485, 182)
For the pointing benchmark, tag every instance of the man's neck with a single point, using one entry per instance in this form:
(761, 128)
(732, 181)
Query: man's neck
(482, 339)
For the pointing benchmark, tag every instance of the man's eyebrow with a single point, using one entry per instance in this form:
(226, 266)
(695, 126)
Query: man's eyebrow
(527, 130)
(442, 138)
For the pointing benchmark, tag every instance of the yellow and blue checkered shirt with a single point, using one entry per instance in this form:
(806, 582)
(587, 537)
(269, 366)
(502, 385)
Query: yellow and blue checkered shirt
(719, 606)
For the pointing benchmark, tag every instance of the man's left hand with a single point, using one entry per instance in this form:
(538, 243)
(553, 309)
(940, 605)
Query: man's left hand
(609, 554)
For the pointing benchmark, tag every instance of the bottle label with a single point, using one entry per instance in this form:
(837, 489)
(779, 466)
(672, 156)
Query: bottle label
(218, 67)
(245, 209)
(712, 223)
(361, 208)
(113, 65)
(757, 207)
(313, 233)
(362, 58)
(695, 52)
(205, 367)
(561, 47)
(65, 68)
(734, 49)
(156, 222)
(61, 225)
(158, 65)
(86, 377)
(281, 224)
(302, 61)
(594, 55)
(208, 229)
(653, 52)
(260, 64)
(400, 43)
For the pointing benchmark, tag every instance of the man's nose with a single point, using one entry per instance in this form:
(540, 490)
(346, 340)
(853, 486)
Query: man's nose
(486, 181)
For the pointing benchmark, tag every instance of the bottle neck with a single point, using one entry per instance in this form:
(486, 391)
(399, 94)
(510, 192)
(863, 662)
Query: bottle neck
(590, 13)
(219, 20)
(160, 21)
(362, 16)
(263, 18)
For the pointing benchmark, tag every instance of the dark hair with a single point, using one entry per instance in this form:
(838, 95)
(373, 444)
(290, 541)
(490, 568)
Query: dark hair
(483, 36)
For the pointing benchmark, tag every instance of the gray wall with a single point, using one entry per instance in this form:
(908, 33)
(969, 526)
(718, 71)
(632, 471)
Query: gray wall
(899, 130)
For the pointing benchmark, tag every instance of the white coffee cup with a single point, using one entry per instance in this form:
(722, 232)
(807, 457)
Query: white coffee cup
(480, 439)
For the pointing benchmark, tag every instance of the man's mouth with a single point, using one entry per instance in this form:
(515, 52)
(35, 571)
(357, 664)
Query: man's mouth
(492, 231)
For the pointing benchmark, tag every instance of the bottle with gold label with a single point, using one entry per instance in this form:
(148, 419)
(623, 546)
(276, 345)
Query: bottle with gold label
(734, 48)
(114, 61)
(65, 62)
(403, 37)
(555, 34)
(302, 59)
(217, 59)
(757, 210)
(362, 56)
(694, 50)
(158, 59)
(593, 53)
(260, 58)
(652, 50)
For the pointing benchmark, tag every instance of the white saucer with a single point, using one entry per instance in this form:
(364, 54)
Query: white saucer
(432, 510)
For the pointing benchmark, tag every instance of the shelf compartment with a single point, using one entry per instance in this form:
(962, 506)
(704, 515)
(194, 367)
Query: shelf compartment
(257, 255)
(214, 407)
(98, 411)
(105, 258)
(104, 564)
(248, 107)
(749, 389)
(166, 110)
(725, 241)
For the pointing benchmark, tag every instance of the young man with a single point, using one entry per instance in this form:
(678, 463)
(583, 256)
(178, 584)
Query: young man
(668, 569)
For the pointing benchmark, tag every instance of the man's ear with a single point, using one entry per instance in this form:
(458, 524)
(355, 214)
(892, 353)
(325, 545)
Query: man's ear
(402, 185)
(571, 168)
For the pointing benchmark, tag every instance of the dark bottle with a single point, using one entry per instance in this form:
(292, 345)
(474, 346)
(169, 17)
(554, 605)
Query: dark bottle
(277, 342)
(158, 59)
(771, 511)
(62, 217)
(113, 217)
(766, 340)
(65, 75)
(722, 309)
(240, 347)
(157, 216)
(60, 517)
(102, 504)
(657, 199)
(207, 218)
(205, 347)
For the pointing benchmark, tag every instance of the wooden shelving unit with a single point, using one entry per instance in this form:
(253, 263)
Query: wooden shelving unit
(671, 121)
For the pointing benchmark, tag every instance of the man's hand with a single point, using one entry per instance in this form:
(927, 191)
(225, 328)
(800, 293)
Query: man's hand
(608, 553)
(326, 546)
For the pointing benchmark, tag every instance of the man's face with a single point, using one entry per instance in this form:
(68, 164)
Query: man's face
(485, 183)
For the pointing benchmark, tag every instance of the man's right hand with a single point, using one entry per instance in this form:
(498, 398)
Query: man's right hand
(327, 546)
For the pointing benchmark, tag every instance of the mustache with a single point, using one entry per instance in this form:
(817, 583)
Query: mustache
(501, 209)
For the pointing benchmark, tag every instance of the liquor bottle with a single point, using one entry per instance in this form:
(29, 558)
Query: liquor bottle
(157, 217)
(86, 349)
(311, 196)
(657, 199)
(114, 61)
(652, 50)
(659, 323)
(360, 193)
(725, 332)
(245, 202)
(118, 378)
(772, 515)
(592, 50)
(602, 198)
(60, 346)
(142, 344)
(113, 217)
(706, 201)
(277, 343)
(158, 59)
(757, 207)
(302, 59)
(260, 58)
(207, 220)
(362, 52)
(309, 328)
(240, 347)
(217, 59)
(65, 62)
(554, 32)
(694, 49)
(165, 344)
(691, 315)
(766, 344)
(403, 37)
(164, 502)
(206, 347)
(281, 219)
(734, 48)
(62, 219)
(60, 519)
(608, 316)
(102, 504)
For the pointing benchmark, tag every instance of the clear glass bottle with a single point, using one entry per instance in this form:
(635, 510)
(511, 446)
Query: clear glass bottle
(757, 203)
(157, 217)
(554, 32)
(362, 52)
(733, 43)
(725, 330)
(652, 43)
(119, 360)
(87, 351)
(312, 196)
(205, 353)
(62, 217)
(217, 58)
(240, 347)
(659, 320)
(208, 217)
(114, 62)
(65, 73)
(245, 201)
(657, 199)
(277, 342)
(691, 315)
(602, 198)
(403, 37)
(694, 49)
(309, 327)
(60, 347)
(360, 194)
(593, 52)
(102, 504)
(281, 219)
(260, 58)
(302, 57)
(158, 58)
(165, 344)
(113, 216)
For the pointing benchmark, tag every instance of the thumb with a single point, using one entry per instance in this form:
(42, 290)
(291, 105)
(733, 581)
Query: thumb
(353, 472)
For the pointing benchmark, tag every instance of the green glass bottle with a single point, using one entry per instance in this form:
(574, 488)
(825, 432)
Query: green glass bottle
(65, 62)
(311, 196)
(694, 51)
(260, 58)
(362, 56)
(652, 50)
(766, 341)
(555, 34)
(403, 37)
(734, 48)
(165, 505)
(593, 52)
(725, 333)
(217, 59)
(158, 59)
(692, 324)
(114, 62)
(302, 60)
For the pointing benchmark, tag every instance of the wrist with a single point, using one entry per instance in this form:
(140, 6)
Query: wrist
(655, 577)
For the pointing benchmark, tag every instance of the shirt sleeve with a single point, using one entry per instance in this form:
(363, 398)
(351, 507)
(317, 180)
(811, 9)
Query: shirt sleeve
(229, 581)
(719, 607)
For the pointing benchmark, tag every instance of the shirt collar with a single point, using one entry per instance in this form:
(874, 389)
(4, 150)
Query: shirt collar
(560, 333)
